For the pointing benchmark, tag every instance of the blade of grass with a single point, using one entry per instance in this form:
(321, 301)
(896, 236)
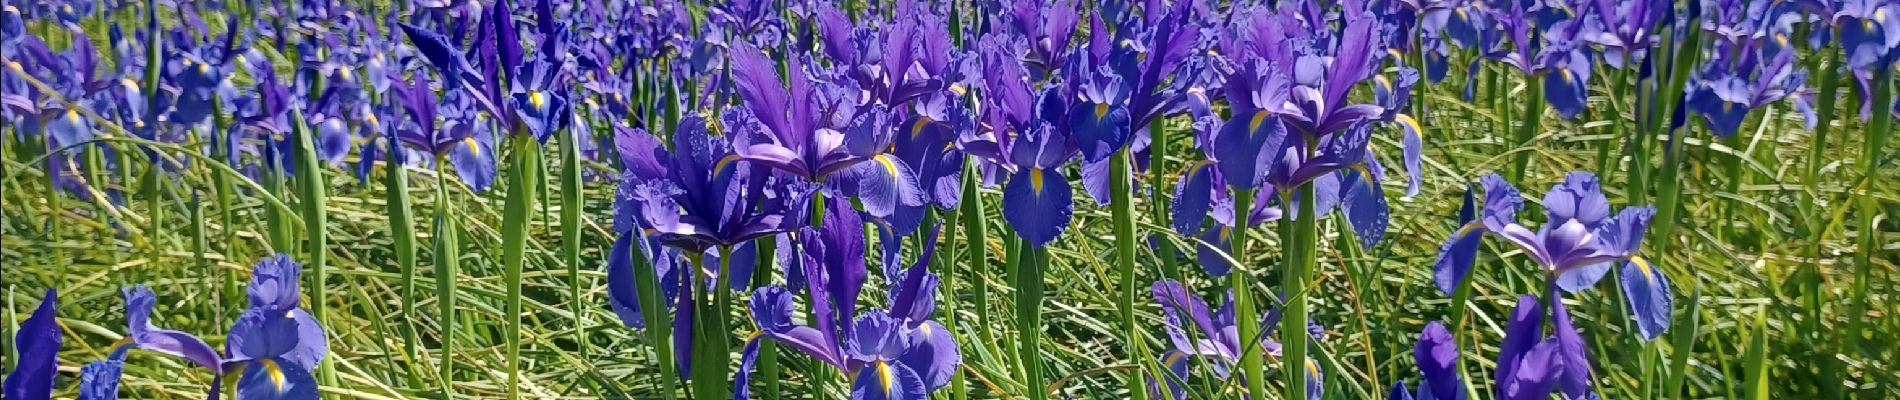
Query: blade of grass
(1122, 203)
(1252, 361)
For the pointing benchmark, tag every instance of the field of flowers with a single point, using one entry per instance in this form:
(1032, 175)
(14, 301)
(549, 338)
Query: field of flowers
(949, 199)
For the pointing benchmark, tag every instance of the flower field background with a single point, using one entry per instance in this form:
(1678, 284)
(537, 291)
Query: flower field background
(565, 199)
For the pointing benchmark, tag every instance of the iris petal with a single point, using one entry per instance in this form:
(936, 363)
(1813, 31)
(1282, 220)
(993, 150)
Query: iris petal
(37, 361)
(1038, 203)
(1648, 292)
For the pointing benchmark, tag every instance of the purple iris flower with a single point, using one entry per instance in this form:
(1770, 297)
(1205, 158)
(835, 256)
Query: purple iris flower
(1531, 366)
(1437, 356)
(36, 345)
(896, 62)
(1578, 243)
(928, 142)
(464, 137)
(1048, 26)
(271, 348)
(1725, 92)
(1870, 31)
(1197, 332)
(99, 380)
(700, 194)
(814, 131)
(1038, 201)
(894, 353)
(1625, 29)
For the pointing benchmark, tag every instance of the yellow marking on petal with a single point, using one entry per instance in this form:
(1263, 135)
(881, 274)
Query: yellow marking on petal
(1312, 367)
(918, 128)
(1396, 53)
(889, 166)
(1409, 122)
(1226, 232)
(1172, 357)
(1035, 180)
(1463, 14)
(129, 83)
(370, 118)
(1880, 15)
(345, 72)
(1727, 106)
(1781, 38)
(204, 68)
(1383, 83)
(1566, 73)
(925, 328)
(275, 372)
(72, 115)
(719, 167)
(884, 376)
(959, 89)
(754, 335)
(1469, 227)
(1254, 125)
(473, 146)
(1648, 274)
(1868, 25)
(1100, 111)
(536, 99)
(290, 315)
(10, 8)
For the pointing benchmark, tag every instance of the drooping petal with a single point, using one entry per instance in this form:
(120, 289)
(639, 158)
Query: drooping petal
(1456, 256)
(622, 293)
(1210, 257)
(1399, 392)
(1648, 294)
(1193, 197)
(37, 348)
(1037, 203)
(885, 183)
(1100, 129)
(914, 297)
(933, 355)
(1534, 375)
(139, 302)
(1413, 154)
(274, 379)
(1245, 147)
(474, 159)
(884, 380)
(1567, 92)
(1365, 206)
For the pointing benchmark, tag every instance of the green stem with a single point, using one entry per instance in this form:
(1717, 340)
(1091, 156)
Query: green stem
(1029, 319)
(976, 245)
(768, 374)
(1532, 121)
(1122, 204)
(1817, 151)
(448, 259)
(402, 234)
(659, 328)
(315, 221)
(711, 348)
(514, 237)
(1879, 127)
(1252, 360)
(571, 233)
(1303, 250)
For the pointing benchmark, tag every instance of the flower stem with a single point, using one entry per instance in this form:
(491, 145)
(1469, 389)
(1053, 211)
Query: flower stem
(1252, 359)
(1029, 318)
(448, 259)
(402, 234)
(1532, 120)
(1122, 204)
(571, 233)
(659, 328)
(1302, 250)
(514, 242)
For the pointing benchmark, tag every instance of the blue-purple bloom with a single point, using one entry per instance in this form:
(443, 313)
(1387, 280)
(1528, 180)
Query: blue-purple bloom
(1196, 331)
(895, 353)
(36, 344)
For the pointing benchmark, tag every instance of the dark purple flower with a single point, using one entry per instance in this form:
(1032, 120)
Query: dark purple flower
(36, 345)
(1215, 337)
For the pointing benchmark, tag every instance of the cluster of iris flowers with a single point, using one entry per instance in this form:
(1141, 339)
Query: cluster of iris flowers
(744, 128)
(269, 353)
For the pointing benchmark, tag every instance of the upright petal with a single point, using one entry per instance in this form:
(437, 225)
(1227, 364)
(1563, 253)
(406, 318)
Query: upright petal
(274, 282)
(1437, 357)
(1579, 197)
(1037, 203)
(37, 348)
(99, 380)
